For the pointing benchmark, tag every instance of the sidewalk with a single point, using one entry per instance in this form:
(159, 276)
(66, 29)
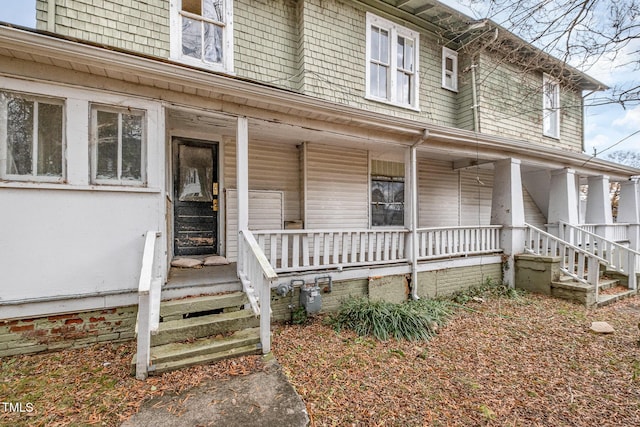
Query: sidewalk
(264, 398)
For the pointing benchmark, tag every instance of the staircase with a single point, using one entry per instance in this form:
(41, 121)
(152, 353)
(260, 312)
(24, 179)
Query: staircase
(201, 330)
(610, 290)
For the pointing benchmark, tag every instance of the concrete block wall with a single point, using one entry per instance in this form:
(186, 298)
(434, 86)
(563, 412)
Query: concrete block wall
(141, 26)
(510, 104)
(445, 282)
(56, 332)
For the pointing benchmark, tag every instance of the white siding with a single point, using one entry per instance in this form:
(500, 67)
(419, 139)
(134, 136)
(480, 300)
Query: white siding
(476, 186)
(532, 213)
(337, 187)
(438, 197)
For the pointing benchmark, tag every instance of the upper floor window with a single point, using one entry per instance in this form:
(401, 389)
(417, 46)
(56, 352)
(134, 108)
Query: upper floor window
(550, 107)
(202, 33)
(31, 138)
(392, 63)
(118, 146)
(449, 69)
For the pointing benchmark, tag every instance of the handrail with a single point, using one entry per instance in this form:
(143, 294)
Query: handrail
(574, 261)
(148, 305)
(256, 275)
(439, 242)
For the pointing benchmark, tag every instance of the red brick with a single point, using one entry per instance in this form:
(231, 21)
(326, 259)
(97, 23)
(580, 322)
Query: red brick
(96, 319)
(109, 311)
(60, 317)
(73, 321)
(21, 328)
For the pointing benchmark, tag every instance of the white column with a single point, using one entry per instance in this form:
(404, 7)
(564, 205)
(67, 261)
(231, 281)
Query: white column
(599, 205)
(507, 209)
(629, 211)
(242, 172)
(411, 213)
(563, 199)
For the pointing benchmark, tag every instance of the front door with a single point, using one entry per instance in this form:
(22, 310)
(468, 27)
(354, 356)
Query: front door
(195, 209)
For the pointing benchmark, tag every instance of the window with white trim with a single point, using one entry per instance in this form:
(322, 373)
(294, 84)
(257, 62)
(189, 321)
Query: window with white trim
(550, 107)
(392, 63)
(449, 69)
(118, 146)
(202, 33)
(32, 142)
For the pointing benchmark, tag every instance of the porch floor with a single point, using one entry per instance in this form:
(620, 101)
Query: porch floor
(205, 276)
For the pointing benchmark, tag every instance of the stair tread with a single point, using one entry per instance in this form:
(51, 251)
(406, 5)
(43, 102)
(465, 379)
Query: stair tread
(207, 345)
(201, 303)
(205, 358)
(203, 320)
(610, 298)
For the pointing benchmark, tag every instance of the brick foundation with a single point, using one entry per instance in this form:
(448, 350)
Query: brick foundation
(26, 336)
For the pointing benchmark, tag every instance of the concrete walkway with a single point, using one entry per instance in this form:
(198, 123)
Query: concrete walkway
(263, 398)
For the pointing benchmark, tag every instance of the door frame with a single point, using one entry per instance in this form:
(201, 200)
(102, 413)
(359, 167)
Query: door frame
(199, 141)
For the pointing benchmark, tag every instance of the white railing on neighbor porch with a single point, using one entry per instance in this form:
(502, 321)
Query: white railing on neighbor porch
(148, 305)
(574, 261)
(256, 276)
(438, 242)
(618, 232)
(618, 257)
(298, 250)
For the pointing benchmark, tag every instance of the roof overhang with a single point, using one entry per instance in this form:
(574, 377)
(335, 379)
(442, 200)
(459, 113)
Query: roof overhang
(240, 97)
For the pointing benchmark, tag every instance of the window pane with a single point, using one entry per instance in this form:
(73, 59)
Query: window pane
(19, 136)
(375, 43)
(384, 46)
(107, 167)
(212, 43)
(408, 55)
(404, 88)
(214, 9)
(448, 64)
(132, 147)
(49, 140)
(400, 49)
(192, 6)
(382, 81)
(191, 38)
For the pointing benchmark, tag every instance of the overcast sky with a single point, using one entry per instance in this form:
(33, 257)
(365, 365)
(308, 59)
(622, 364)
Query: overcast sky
(604, 125)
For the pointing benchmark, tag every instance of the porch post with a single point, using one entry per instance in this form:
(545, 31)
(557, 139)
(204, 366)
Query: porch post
(599, 205)
(507, 209)
(411, 214)
(242, 172)
(563, 200)
(629, 211)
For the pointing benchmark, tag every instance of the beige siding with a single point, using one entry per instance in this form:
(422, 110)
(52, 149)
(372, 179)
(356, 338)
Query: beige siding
(438, 198)
(337, 187)
(476, 187)
(532, 214)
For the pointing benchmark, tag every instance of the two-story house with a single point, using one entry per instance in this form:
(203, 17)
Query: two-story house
(396, 148)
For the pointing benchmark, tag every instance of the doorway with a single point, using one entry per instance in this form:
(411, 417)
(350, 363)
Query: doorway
(195, 210)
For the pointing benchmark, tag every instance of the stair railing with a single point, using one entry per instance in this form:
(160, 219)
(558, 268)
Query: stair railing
(574, 261)
(618, 257)
(148, 305)
(256, 275)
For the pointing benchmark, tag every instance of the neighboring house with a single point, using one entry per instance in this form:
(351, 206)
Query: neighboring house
(397, 146)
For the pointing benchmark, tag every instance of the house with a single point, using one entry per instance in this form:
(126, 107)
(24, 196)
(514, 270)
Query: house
(387, 148)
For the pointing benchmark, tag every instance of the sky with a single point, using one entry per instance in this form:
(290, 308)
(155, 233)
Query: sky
(604, 125)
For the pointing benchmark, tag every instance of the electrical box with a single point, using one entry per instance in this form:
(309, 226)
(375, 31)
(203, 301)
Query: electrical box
(310, 298)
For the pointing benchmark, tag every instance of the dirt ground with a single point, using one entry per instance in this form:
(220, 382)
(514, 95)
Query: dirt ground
(526, 362)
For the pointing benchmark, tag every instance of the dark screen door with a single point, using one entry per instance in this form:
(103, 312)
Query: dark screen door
(196, 197)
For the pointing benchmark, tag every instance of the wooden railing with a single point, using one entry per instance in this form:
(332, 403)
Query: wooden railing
(618, 232)
(148, 305)
(299, 250)
(578, 263)
(256, 276)
(438, 242)
(619, 258)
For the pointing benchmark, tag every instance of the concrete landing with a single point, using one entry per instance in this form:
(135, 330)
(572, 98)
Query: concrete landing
(264, 398)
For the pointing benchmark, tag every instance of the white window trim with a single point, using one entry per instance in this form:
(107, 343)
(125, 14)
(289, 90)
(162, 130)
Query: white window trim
(547, 113)
(175, 52)
(453, 55)
(93, 145)
(4, 150)
(395, 30)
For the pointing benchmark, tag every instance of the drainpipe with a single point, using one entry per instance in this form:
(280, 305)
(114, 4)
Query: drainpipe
(414, 214)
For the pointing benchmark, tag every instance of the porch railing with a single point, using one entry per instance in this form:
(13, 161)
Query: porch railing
(256, 276)
(148, 305)
(578, 263)
(436, 242)
(298, 250)
(618, 257)
(618, 232)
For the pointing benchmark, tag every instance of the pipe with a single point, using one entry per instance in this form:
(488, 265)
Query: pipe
(414, 213)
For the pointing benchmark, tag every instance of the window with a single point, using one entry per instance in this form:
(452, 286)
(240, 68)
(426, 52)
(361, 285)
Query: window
(202, 33)
(550, 107)
(387, 201)
(31, 138)
(392, 63)
(117, 146)
(449, 69)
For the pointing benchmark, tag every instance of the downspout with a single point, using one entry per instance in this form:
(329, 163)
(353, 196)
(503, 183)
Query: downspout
(414, 214)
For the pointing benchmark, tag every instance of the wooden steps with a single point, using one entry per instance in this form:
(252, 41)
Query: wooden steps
(609, 291)
(203, 329)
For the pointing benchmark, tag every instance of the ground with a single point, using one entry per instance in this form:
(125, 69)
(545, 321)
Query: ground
(502, 362)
